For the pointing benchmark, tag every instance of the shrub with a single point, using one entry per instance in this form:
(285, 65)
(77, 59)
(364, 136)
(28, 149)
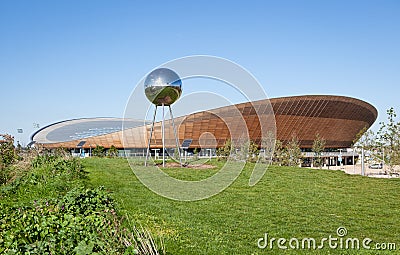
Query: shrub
(4, 174)
(99, 151)
(225, 152)
(7, 150)
(7, 157)
(112, 152)
(82, 222)
(195, 154)
(41, 213)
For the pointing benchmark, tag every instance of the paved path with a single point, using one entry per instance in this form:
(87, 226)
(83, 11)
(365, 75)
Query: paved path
(378, 173)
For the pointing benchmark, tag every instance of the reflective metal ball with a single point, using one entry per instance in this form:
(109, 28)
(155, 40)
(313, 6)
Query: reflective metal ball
(163, 86)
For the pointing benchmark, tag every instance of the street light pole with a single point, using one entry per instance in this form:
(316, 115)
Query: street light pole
(163, 136)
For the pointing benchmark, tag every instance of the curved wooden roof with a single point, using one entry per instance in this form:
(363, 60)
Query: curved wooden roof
(337, 119)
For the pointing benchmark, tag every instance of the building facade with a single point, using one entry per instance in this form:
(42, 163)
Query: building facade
(336, 119)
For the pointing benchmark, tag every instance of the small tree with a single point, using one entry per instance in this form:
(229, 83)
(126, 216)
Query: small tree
(365, 138)
(293, 152)
(8, 156)
(98, 151)
(318, 147)
(248, 150)
(253, 151)
(241, 150)
(389, 138)
(176, 153)
(195, 154)
(7, 150)
(112, 152)
(279, 153)
(268, 144)
(225, 151)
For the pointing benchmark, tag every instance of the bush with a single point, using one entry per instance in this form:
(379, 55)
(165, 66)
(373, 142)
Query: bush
(82, 222)
(49, 175)
(8, 156)
(7, 150)
(4, 174)
(41, 213)
(99, 151)
(112, 152)
(224, 152)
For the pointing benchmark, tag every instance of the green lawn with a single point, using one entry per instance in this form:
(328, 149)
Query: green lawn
(286, 203)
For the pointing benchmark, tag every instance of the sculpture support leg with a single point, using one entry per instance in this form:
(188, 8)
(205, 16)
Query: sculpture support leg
(163, 136)
(151, 133)
(175, 134)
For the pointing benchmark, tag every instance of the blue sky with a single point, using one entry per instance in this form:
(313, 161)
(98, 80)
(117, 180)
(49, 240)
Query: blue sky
(70, 59)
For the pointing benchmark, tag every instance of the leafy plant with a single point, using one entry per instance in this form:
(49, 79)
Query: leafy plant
(279, 153)
(292, 153)
(112, 152)
(225, 151)
(8, 156)
(99, 151)
(389, 139)
(7, 150)
(50, 211)
(195, 154)
(62, 226)
(318, 147)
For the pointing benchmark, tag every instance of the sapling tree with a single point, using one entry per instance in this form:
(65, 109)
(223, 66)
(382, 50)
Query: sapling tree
(317, 148)
(268, 144)
(225, 151)
(293, 152)
(7, 150)
(279, 152)
(112, 152)
(366, 139)
(99, 151)
(388, 137)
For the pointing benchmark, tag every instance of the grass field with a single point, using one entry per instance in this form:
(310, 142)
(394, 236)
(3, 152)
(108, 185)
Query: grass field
(286, 203)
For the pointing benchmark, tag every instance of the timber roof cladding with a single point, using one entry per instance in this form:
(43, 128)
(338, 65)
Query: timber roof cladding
(335, 118)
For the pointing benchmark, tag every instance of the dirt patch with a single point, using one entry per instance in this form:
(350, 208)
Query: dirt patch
(194, 166)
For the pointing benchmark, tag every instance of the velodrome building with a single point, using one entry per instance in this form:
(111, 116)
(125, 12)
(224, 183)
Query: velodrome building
(337, 119)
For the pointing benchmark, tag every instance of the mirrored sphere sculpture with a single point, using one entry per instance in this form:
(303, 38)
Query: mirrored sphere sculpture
(163, 87)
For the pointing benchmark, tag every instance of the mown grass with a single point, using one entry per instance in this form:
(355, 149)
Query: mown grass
(287, 202)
